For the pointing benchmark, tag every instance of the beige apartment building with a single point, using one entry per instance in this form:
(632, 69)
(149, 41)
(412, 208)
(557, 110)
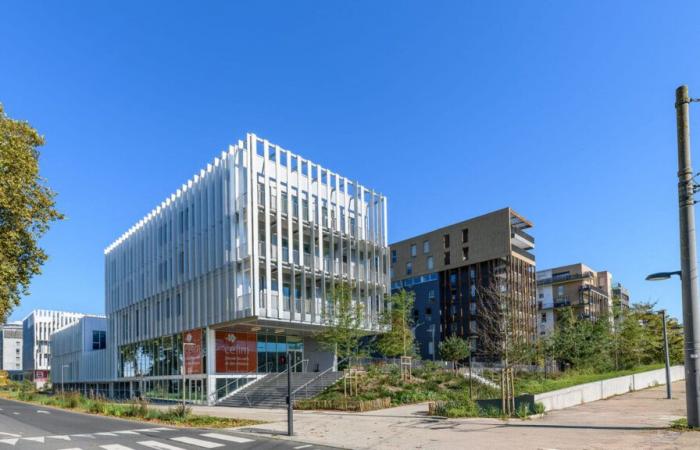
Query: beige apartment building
(578, 286)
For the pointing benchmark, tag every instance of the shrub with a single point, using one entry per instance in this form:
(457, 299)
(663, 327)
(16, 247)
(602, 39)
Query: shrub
(539, 408)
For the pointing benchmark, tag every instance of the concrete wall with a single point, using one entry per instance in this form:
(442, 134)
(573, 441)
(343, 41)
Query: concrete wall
(598, 390)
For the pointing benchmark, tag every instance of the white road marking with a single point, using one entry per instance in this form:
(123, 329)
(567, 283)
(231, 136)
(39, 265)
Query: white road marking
(16, 413)
(227, 437)
(41, 411)
(159, 445)
(87, 435)
(115, 447)
(72, 448)
(197, 442)
(39, 439)
(63, 437)
(10, 434)
(11, 441)
(303, 446)
(161, 429)
(105, 433)
(126, 432)
(144, 430)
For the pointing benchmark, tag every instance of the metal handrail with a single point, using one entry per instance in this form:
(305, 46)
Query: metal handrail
(236, 380)
(245, 394)
(289, 367)
(320, 375)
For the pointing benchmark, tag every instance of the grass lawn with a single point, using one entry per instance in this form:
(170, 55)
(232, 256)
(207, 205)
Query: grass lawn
(428, 383)
(133, 410)
(536, 383)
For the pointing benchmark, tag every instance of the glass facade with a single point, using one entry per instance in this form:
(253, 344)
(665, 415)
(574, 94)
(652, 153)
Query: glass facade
(162, 357)
(154, 357)
(271, 347)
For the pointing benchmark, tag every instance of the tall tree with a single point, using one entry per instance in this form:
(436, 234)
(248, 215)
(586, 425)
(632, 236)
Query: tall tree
(343, 323)
(27, 208)
(398, 340)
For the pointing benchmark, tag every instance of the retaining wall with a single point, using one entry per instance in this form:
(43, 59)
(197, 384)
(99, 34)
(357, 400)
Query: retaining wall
(598, 390)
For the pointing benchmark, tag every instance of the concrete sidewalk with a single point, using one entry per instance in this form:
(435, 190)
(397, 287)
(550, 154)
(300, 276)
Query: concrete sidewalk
(636, 420)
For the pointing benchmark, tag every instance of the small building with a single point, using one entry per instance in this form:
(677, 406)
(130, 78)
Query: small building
(37, 328)
(11, 349)
(588, 292)
(450, 269)
(79, 357)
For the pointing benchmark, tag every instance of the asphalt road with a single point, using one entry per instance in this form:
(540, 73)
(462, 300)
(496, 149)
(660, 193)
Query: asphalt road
(27, 426)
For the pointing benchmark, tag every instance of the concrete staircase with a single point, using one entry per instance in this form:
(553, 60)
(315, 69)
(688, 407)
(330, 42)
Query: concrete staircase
(271, 391)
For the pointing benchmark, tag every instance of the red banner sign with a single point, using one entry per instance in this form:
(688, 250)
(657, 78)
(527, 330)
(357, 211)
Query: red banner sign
(236, 352)
(193, 351)
(41, 375)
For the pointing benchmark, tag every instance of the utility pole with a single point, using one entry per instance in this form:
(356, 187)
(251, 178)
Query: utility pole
(290, 401)
(689, 270)
(667, 358)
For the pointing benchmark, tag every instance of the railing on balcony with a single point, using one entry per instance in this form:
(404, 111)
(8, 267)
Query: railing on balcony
(560, 302)
(523, 253)
(524, 235)
(567, 277)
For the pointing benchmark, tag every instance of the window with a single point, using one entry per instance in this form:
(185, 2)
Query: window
(465, 253)
(541, 295)
(393, 256)
(178, 305)
(465, 235)
(431, 295)
(99, 339)
(413, 249)
(446, 239)
(426, 246)
(447, 258)
(409, 268)
(430, 263)
(560, 290)
(428, 311)
(544, 317)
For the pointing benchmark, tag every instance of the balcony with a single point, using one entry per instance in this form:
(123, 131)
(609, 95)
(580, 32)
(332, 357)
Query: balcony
(563, 278)
(521, 239)
(523, 253)
(561, 302)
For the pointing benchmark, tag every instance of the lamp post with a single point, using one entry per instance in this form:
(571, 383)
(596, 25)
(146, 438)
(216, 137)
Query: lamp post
(471, 339)
(184, 370)
(667, 359)
(63, 386)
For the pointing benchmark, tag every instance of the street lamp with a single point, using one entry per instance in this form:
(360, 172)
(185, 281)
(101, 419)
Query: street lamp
(659, 276)
(184, 370)
(63, 386)
(471, 339)
(667, 359)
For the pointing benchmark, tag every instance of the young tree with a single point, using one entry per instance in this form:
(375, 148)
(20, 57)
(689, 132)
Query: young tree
(26, 210)
(454, 349)
(398, 340)
(582, 343)
(343, 323)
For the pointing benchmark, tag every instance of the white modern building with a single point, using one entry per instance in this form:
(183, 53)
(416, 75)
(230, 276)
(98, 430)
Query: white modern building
(11, 347)
(237, 267)
(79, 356)
(37, 328)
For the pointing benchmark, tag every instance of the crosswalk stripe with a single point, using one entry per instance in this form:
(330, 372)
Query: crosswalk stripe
(11, 441)
(64, 437)
(105, 433)
(41, 411)
(144, 430)
(10, 434)
(302, 446)
(72, 448)
(197, 442)
(39, 439)
(126, 432)
(226, 437)
(159, 445)
(115, 447)
(87, 435)
(161, 429)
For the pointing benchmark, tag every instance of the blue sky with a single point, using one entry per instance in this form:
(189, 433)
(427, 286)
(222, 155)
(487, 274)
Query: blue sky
(561, 110)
